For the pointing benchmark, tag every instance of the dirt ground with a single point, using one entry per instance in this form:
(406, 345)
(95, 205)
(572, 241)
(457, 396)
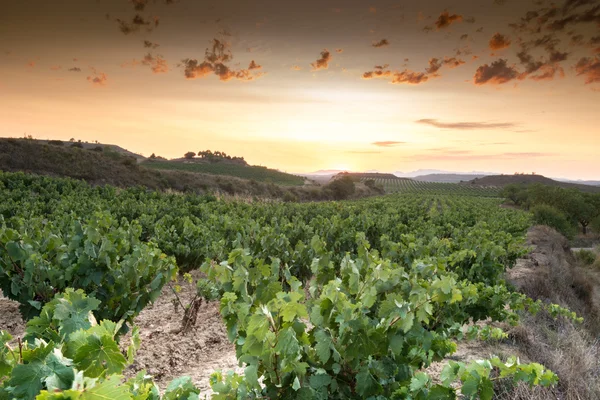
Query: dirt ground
(165, 354)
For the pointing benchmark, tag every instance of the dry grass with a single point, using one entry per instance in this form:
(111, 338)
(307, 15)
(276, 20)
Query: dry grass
(552, 275)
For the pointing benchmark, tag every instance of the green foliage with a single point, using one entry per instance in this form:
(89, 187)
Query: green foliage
(365, 333)
(586, 257)
(342, 187)
(102, 257)
(67, 355)
(544, 214)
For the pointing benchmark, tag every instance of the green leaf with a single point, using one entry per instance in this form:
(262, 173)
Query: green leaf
(99, 355)
(323, 345)
(419, 382)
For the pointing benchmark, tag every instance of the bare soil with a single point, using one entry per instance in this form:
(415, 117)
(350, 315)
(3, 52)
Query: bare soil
(165, 353)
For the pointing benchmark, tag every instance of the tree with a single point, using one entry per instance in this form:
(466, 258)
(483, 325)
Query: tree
(189, 155)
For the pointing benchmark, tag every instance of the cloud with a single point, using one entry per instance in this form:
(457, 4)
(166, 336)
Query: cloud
(215, 62)
(446, 19)
(466, 125)
(323, 61)
(380, 71)
(31, 64)
(339, 51)
(498, 72)
(254, 65)
(464, 37)
(548, 72)
(139, 5)
(150, 45)
(136, 24)
(157, 64)
(435, 64)
(97, 79)
(499, 41)
(381, 43)
(56, 67)
(397, 77)
(387, 143)
(296, 68)
(74, 69)
(589, 68)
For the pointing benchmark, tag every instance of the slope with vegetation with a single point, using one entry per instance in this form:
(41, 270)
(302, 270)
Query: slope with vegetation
(100, 165)
(530, 179)
(345, 300)
(565, 210)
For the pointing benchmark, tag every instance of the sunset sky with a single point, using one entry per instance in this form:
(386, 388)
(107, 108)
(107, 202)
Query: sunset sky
(489, 85)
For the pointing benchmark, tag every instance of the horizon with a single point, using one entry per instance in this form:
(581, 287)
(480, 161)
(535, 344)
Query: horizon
(494, 85)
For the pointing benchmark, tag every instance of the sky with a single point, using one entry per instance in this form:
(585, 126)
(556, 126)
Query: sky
(489, 85)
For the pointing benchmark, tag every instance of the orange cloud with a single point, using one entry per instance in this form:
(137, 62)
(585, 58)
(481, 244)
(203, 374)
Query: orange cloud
(339, 50)
(373, 10)
(98, 79)
(215, 62)
(296, 68)
(323, 61)
(387, 143)
(497, 72)
(136, 24)
(499, 41)
(56, 67)
(410, 77)
(589, 68)
(446, 19)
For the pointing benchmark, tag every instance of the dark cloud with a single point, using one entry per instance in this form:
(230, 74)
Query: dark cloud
(479, 30)
(254, 65)
(380, 71)
(74, 69)
(56, 67)
(464, 37)
(498, 72)
(466, 125)
(470, 20)
(215, 62)
(446, 19)
(137, 22)
(339, 51)
(150, 45)
(387, 144)
(499, 41)
(139, 5)
(589, 68)
(381, 43)
(97, 79)
(577, 40)
(548, 72)
(323, 61)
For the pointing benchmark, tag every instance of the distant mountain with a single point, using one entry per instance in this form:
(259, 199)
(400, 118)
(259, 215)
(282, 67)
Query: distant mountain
(503, 180)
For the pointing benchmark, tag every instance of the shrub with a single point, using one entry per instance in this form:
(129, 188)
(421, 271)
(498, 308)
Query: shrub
(342, 188)
(289, 197)
(586, 257)
(55, 142)
(77, 144)
(547, 215)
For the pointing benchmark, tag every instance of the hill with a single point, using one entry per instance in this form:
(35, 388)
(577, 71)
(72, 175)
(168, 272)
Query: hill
(503, 180)
(244, 171)
(103, 165)
(447, 178)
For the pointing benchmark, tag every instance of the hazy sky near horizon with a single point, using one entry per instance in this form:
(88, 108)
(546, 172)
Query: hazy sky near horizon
(492, 85)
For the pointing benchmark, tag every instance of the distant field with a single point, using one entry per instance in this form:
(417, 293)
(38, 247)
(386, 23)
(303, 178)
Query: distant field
(259, 174)
(410, 186)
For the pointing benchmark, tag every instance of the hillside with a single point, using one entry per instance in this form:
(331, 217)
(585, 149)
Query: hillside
(447, 178)
(257, 173)
(100, 165)
(503, 180)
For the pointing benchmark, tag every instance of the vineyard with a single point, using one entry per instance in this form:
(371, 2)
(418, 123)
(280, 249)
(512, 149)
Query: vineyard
(257, 173)
(333, 300)
(403, 185)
